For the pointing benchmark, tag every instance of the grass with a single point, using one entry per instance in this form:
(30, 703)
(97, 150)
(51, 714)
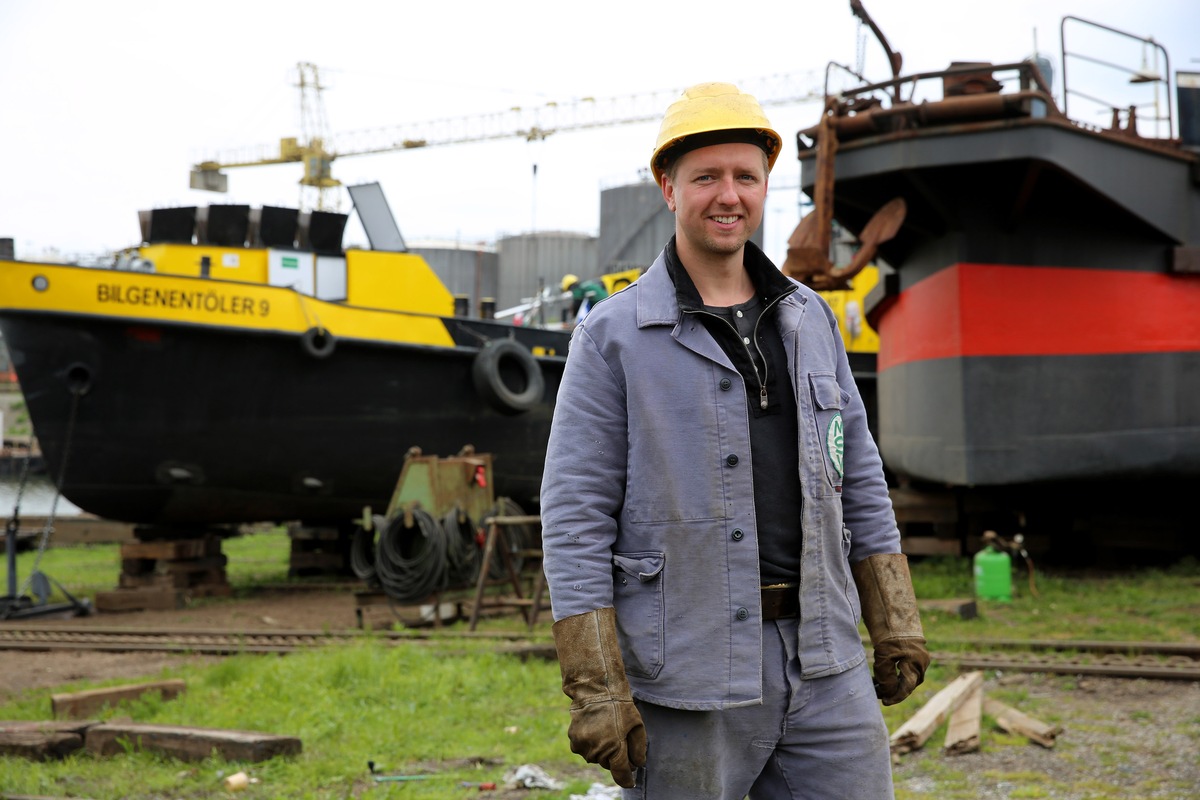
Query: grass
(457, 711)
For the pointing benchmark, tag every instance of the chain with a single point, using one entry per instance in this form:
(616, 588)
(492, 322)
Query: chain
(62, 473)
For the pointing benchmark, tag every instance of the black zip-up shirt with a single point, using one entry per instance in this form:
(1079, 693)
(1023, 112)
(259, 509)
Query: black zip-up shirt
(748, 335)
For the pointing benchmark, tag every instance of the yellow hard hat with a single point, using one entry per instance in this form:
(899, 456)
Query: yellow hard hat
(568, 281)
(712, 108)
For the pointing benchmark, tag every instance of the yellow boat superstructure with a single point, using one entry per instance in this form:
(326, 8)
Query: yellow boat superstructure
(394, 297)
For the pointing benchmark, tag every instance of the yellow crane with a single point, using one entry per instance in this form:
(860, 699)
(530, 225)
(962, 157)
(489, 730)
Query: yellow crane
(316, 152)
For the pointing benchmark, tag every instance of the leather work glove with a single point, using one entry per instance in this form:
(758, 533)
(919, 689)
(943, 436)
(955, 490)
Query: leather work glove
(889, 609)
(606, 728)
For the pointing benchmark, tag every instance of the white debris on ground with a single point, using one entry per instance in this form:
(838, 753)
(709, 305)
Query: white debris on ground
(530, 776)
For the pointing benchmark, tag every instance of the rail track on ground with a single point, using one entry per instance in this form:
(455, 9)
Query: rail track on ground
(1110, 659)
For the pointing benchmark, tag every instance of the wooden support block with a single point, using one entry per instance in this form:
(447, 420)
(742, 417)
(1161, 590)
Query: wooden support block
(41, 741)
(321, 534)
(207, 590)
(140, 599)
(204, 564)
(920, 726)
(82, 704)
(180, 548)
(189, 744)
(1014, 721)
(319, 561)
(962, 735)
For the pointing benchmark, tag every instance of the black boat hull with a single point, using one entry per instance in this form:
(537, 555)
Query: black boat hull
(190, 425)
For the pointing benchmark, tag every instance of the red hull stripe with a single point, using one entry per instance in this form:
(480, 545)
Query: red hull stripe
(997, 310)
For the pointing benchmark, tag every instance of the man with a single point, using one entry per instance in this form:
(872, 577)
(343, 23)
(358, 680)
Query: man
(711, 500)
(592, 291)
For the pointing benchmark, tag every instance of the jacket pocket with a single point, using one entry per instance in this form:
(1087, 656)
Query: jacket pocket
(638, 600)
(828, 402)
(851, 587)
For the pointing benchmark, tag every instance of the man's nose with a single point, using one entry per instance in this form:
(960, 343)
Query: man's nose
(729, 194)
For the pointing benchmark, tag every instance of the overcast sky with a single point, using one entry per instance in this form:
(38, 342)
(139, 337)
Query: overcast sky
(106, 105)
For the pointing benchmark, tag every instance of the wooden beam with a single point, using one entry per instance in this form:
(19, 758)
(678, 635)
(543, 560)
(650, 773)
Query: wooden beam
(189, 744)
(920, 726)
(85, 704)
(1013, 721)
(962, 734)
(41, 740)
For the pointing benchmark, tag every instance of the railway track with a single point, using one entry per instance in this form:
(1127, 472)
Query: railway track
(206, 641)
(1112, 659)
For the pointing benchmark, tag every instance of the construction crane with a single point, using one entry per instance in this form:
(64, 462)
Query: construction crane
(317, 153)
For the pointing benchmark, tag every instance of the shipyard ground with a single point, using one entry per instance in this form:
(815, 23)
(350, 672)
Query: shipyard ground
(1134, 728)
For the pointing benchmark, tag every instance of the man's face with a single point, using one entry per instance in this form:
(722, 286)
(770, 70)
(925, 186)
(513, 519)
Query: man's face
(718, 194)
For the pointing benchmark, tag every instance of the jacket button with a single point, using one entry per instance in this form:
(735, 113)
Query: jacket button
(743, 614)
(731, 460)
(725, 384)
(737, 534)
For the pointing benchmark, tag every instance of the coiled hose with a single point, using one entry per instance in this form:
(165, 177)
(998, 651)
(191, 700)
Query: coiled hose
(410, 561)
(463, 549)
(362, 553)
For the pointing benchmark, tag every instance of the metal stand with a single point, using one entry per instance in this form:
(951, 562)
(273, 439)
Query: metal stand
(496, 538)
(14, 606)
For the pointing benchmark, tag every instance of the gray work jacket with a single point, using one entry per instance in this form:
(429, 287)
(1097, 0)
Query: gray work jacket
(647, 500)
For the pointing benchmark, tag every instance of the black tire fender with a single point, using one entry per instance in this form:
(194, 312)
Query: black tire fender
(318, 342)
(495, 360)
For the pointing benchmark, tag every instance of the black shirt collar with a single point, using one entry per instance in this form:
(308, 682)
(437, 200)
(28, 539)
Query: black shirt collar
(769, 282)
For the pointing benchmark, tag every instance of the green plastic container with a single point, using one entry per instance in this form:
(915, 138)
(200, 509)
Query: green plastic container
(993, 575)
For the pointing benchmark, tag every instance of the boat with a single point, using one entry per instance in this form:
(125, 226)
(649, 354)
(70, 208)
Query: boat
(240, 366)
(1039, 318)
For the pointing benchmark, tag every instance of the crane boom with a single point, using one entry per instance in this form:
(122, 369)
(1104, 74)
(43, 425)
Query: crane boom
(530, 123)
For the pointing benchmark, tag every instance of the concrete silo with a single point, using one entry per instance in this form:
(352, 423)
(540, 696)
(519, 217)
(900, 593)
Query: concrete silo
(529, 262)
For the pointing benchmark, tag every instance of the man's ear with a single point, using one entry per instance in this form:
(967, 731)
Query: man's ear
(668, 192)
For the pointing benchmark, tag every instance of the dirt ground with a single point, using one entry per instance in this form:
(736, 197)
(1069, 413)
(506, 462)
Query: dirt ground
(284, 610)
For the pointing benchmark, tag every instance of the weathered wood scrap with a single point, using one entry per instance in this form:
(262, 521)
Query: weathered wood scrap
(920, 726)
(962, 734)
(83, 704)
(189, 744)
(1014, 721)
(39, 740)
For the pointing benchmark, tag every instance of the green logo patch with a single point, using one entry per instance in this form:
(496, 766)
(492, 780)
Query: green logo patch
(834, 442)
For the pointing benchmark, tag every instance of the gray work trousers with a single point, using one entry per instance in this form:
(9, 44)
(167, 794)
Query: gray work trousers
(821, 739)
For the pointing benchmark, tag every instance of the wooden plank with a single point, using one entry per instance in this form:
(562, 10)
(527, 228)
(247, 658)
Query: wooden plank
(41, 740)
(179, 548)
(1015, 721)
(189, 744)
(139, 599)
(83, 704)
(182, 565)
(962, 734)
(920, 726)
(38, 746)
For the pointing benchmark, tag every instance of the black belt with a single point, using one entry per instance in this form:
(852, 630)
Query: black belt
(780, 601)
